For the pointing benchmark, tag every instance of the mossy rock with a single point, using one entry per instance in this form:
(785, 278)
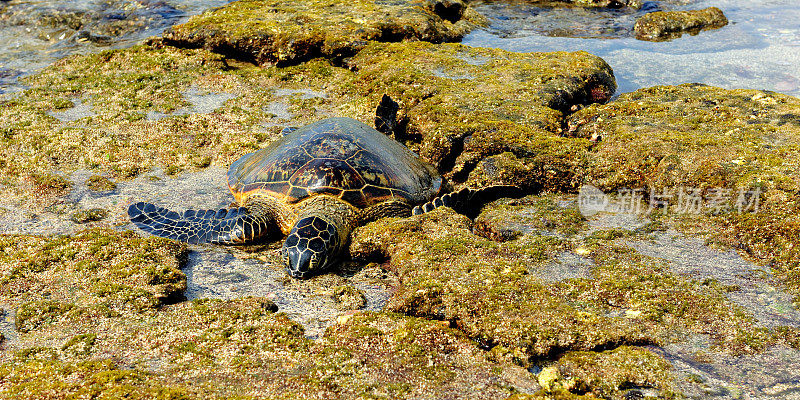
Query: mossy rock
(665, 25)
(90, 215)
(48, 278)
(411, 358)
(483, 116)
(219, 345)
(726, 144)
(100, 183)
(613, 374)
(692, 135)
(459, 106)
(35, 314)
(582, 3)
(508, 219)
(289, 32)
(123, 87)
(348, 297)
(491, 291)
(40, 379)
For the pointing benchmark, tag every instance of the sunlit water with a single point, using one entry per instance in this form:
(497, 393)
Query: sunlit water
(35, 33)
(758, 49)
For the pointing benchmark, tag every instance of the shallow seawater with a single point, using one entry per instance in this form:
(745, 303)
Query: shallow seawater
(758, 49)
(703, 372)
(36, 33)
(771, 374)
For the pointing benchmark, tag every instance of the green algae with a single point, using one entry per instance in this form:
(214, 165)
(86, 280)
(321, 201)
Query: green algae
(80, 299)
(509, 219)
(610, 374)
(461, 105)
(95, 270)
(123, 86)
(583, 3)
(90, 215)
(99, 183)
(348, 297)
(665, 25)
(692, 136)
(32, 315)
(502, 120)
(490, 290)
(41, 379)
(242, 347)
(708, 139)
(289, 32)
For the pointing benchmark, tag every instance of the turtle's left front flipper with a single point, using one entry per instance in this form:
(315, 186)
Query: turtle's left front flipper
(223, 226)
(469, 201)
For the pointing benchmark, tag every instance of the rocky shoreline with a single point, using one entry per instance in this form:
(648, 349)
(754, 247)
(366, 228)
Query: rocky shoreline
(532, 299)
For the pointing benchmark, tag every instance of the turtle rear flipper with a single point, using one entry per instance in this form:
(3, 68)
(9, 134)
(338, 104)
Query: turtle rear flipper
(223, 226)
(469, 201)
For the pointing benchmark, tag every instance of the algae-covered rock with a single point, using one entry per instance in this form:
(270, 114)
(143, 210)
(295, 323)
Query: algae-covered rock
(693, 136)
(623, 373)
(126, 89)
(242, 347)
(492, 112)
(286, 32)
(465, 105)
(95, 271)
(99, 183)
(583, 3)
(493, 293)
(735, 149)
(395, 356)
(348, 297)
(90, 215)
(508, 219)
(665, 25)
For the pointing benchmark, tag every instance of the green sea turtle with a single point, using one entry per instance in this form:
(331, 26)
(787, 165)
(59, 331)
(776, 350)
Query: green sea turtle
(316, 184)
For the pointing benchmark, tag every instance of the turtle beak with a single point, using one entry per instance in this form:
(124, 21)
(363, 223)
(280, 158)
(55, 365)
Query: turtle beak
(296, 261)
(300, 264)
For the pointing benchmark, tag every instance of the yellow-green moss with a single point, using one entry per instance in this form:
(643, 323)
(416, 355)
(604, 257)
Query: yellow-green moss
(99, 183)
(217, 347)
(466, 106)
(490, 290)
(348, 297)
(510, 218)
(704, 138)
(665, 25)
(84, 216)
(46, 277)
(41, 379)
(692, 136)
(32, 315)
(611, 374)
(291, 31)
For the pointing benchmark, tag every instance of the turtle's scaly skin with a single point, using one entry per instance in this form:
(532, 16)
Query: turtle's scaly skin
(316, 184)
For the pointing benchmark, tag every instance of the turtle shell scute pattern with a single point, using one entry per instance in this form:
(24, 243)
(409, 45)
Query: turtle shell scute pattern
(339, 157)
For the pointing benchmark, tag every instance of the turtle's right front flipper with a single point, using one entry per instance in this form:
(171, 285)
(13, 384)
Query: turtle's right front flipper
(223, 226)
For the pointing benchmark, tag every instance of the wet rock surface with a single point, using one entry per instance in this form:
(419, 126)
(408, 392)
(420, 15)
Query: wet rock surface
(484, 116)
(666, 25)
(288, 32)
(35, 33)
(434, 306)
(734, 149)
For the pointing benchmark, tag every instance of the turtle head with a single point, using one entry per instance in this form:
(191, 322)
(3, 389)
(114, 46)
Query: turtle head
(310, 247)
